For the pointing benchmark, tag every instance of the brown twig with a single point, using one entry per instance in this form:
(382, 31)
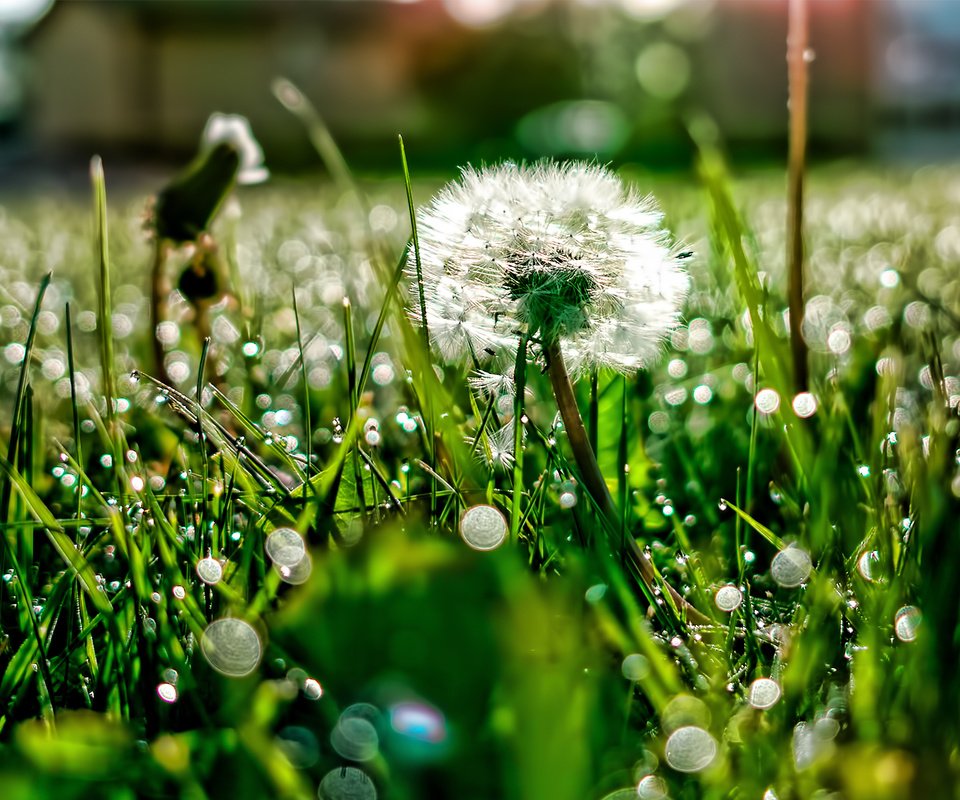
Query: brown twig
(159, 291)
(797, 77)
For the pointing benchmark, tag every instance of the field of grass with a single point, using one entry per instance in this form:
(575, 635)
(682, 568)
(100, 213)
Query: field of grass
(157, 640)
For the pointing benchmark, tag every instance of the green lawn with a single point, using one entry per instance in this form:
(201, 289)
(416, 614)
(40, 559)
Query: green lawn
(817, 532)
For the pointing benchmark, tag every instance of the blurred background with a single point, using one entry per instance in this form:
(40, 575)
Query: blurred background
(465, 80)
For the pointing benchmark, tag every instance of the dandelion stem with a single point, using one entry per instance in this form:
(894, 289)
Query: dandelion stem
(593, 477)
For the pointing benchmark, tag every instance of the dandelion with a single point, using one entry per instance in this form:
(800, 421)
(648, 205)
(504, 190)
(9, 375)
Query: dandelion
(563, 252)
(559, 260)
(184, 210)
(234, 129)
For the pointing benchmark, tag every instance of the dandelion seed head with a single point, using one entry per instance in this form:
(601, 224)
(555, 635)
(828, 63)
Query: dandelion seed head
(562, 251)
(235, 129)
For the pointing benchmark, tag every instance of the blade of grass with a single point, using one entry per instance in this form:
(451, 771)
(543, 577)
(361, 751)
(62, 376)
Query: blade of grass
(520, 387)
(759, 527)
(307, 424)
(19, 406)
(105, 326)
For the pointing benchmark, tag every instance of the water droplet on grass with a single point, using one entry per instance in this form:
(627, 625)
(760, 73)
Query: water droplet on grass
(906, 623)
(354, 737)
(690, 749)
(868, 565)
(209, 570)
(346, 783)
(767, 401)
(167, 692)
(791, 567)
(231, 646)
(285, 547)
(483, 527)
(635, 667)
(889, 278)
(764, 693)
(651, 787)
(804, 405)
(728, 598)
(312, 689)
(298, 574)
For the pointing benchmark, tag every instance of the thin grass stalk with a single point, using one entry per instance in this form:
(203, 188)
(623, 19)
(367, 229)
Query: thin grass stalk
(623, 469)
(593, 427)
(427, 364)
(75, 407)
(520, 387)
(351, 359)
(307, 423)
(798, 80)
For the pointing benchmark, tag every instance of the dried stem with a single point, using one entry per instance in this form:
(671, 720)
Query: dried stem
(159, 291)
(593, 479)
(797, 75)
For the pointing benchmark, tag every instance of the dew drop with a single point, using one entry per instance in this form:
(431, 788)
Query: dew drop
(285, 547)
(804, 405)
(791, 567)
(568, 500)
(167, 692)
(231, 646)
(354, 737)
(346, 783)
(690, 749)
(868, 565)
(728, 598)
(635, 667)
(483, 527)
(209, 570)
(767, 401)
(298, 574)
(651, 787)
(763, 693)
(906, 623)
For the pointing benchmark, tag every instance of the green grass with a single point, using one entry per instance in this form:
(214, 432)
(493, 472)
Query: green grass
(114, 487)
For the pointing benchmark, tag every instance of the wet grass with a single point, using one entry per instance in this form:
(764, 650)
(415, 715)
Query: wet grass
(817, 531)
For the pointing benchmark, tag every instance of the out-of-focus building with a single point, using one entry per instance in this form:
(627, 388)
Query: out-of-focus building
(483, 78)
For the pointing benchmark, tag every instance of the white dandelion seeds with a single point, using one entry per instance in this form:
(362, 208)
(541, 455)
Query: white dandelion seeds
(564, 252)
(500, 444)
(235, 129)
